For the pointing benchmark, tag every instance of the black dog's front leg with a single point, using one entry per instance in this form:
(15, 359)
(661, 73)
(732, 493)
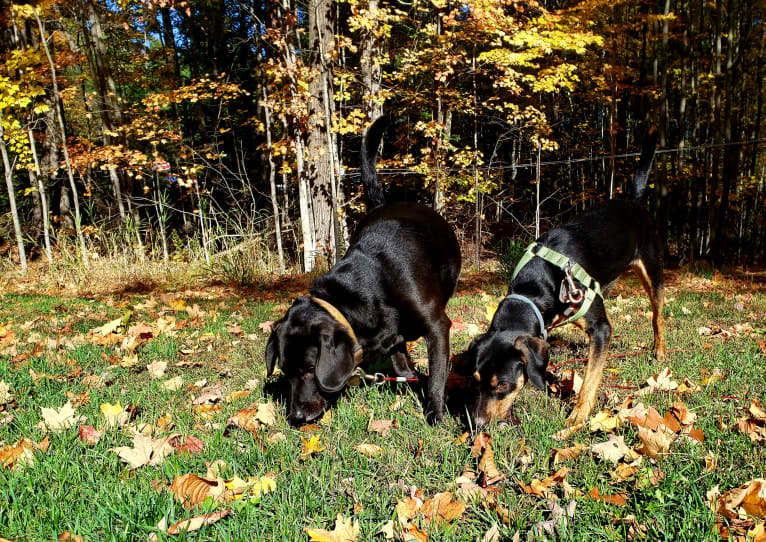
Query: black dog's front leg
(402, 363)
(437, 341)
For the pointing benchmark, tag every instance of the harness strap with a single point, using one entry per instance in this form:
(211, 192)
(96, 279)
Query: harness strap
(338, 316)
(592, 287)
(543, 331)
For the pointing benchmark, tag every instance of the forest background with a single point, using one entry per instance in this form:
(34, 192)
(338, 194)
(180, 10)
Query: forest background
(184, 130)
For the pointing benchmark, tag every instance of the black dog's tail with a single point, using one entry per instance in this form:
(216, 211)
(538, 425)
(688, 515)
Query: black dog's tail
(373, 193)
(641, 177)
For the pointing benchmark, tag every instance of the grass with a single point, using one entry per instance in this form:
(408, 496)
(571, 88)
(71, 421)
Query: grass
(88, 491)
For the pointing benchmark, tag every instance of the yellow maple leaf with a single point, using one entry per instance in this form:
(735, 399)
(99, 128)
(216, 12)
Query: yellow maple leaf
(310, 447)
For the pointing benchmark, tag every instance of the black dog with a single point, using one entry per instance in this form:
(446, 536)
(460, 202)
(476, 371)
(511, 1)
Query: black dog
(392, 286)
(605, 242)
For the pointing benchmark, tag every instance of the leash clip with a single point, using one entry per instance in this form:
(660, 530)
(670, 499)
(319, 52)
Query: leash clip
(569, 292)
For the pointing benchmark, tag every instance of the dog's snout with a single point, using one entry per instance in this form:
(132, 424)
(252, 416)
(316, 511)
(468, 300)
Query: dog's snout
(297, 416)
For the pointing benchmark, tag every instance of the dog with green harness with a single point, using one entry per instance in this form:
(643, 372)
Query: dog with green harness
(561, 278)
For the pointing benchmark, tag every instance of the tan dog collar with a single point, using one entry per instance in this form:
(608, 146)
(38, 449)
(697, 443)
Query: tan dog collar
(338, 316)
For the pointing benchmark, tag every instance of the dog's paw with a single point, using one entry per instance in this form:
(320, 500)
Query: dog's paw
(433, 416)
(577, 417)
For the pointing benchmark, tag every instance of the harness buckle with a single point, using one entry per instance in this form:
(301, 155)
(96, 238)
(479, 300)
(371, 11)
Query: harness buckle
(569, 290)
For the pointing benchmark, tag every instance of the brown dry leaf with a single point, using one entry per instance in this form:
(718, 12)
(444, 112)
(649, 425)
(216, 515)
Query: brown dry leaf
(408, 509)
(757, 412)
(22, 453)
(190, 489)
(251, 418)
(614, 450)
(397, 404)
(754, 429)
(345, 530)
(145, 451)
(682, 413)
(623, 472)
(656, 442)
(545, 487)
(370, 450)
(757, 533)
(381, 427)
(66, 536)
(325, 420)
(462, 439)
(618, 499)
(569, 382)
(441, 508)
(77, 399)
(236, 395)
(572, 452)
(650, 420)
(310, 447)
(604, 421)
(195, 523)
(490, 474)
(191, 444)
(750, 498)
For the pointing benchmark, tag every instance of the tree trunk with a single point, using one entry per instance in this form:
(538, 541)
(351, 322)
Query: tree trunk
(12, 198)
(272, 181)
(60, 115)
(38, 176)
(318, 170)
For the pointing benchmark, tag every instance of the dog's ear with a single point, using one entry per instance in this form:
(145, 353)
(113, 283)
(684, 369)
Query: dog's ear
(272, 349)
(336, 361)
(535, 353)
(465, 363)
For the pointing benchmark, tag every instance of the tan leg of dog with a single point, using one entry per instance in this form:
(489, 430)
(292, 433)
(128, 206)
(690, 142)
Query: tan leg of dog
(657, 298)
(598, 347)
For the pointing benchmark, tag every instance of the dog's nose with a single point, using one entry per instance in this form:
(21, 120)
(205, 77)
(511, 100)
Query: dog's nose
(480, 419)
(297, 416)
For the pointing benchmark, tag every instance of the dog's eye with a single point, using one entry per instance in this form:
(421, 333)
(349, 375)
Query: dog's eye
(502, 387)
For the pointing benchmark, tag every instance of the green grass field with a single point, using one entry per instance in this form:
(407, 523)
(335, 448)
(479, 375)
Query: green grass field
(48, 349)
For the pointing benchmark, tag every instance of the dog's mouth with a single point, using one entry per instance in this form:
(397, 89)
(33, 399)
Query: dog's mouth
(303, 413)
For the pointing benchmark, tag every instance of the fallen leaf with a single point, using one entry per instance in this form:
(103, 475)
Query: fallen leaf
(544, 488)
(656, 442)
(157, 369)
(191, 445)
(749, 498)
(63, 418)
(5, 393)
(22, 453)
(567, 431)
(572, 452)
(266, 326)
(659, 382)
(66, 536)
(195, 523)
(173, 384)
(557, 521)
(381, 427)
(614, 450)
(492, 534)
(441, 508)
(370, 450)
(190, 489)
(115, 414)
(345, 530)
(90, 435)
(618, 499)
(145, 451)
(604, 421)
(310, 447)
(623, 472)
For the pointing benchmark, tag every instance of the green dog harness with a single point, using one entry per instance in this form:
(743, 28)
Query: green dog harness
(572, 270)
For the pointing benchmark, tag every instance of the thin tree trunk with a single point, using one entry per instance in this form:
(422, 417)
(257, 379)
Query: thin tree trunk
(12, 198)
(272, 181)
(60, 115)
(43, 196)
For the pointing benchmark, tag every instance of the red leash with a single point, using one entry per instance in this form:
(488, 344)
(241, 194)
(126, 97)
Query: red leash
(613, 356)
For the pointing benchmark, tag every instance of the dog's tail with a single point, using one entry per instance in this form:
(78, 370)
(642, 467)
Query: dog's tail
(373, 193)
(641, 177)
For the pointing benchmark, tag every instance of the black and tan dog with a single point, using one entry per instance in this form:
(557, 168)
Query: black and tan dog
(392, 286)
(605, 242)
